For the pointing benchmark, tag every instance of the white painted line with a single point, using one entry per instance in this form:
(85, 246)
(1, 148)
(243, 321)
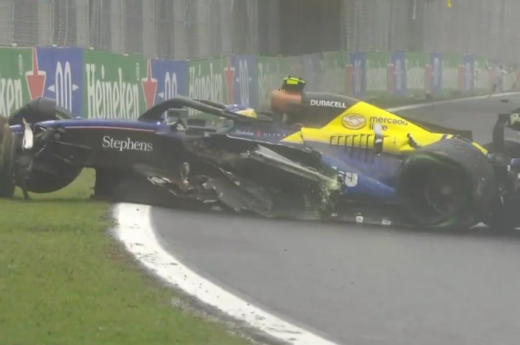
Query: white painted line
(449, 101)
(135, 231)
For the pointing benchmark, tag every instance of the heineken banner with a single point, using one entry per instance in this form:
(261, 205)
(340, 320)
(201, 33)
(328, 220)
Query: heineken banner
(376, 69)
(97, 84)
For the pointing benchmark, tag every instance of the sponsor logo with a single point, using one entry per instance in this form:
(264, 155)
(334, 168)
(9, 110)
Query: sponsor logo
(353, 121)
(238, 76)
(273, 134)
(329, 104)
(244, 132)
(112, 91)
(126, 145)
(149, 85)
(205, 82)
(384, 121)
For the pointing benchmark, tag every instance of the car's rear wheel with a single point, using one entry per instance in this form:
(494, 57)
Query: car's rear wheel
(447, 185)
(39, 110)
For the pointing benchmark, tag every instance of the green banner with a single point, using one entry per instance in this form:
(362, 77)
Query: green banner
(113, 85)
(376, 74)
(20, 79)
(271, 71)
(415, 65)
(450, 72)
(332, 77)
(99, 84)
(206, 80)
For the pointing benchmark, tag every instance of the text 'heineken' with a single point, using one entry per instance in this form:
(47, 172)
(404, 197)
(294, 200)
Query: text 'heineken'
(106, 99)
(206, 83)
(269, 78)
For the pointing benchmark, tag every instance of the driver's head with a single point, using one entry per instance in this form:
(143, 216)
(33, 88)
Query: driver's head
(241, 110)
(293, 84)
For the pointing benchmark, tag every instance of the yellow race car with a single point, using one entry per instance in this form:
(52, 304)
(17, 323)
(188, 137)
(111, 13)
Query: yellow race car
(437, 177)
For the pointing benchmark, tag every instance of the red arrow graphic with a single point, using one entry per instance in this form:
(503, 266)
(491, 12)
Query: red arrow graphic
(229, 72)
(35, 78)
(149, 85)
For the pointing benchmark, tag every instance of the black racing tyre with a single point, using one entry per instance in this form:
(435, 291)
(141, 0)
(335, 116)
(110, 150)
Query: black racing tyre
(504, 217)
(7, 158)
(51, 176)
(449, 184)
(39, 110)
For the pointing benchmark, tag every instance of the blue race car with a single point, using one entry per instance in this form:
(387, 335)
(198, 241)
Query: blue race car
(315, 156)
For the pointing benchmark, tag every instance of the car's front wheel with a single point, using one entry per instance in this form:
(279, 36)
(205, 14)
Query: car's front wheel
(447, 185)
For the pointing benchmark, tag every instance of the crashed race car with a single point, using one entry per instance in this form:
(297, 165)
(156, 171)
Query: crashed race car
(314, 156)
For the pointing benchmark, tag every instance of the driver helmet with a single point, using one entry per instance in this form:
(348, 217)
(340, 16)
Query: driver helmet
(241, 110)
(293, 84)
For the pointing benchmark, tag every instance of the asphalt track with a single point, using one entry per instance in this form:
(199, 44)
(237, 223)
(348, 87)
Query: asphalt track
(360, 284)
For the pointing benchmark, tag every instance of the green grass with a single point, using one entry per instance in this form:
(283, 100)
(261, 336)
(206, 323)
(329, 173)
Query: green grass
(65, 280)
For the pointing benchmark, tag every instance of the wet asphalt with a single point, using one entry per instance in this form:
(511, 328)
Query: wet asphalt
(364, 285)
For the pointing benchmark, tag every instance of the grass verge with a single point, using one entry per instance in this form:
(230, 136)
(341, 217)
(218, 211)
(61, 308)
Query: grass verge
(65, 280)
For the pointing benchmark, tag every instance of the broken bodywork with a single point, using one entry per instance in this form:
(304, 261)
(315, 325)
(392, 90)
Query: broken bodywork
(338, 158)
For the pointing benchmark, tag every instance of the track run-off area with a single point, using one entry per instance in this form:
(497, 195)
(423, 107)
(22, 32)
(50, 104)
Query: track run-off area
(325, 284)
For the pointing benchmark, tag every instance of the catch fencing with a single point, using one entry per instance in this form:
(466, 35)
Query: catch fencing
(116, 58)
(191, 29)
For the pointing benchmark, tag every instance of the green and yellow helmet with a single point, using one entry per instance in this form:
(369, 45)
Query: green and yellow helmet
(293, 84)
